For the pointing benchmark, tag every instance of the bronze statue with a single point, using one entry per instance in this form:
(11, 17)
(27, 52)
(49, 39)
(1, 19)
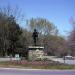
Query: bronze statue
(35, 37)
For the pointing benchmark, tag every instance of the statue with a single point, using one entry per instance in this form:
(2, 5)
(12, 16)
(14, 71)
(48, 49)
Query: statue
(35, 37)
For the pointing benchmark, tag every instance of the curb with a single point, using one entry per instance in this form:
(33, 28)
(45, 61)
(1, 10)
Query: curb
(1, 68)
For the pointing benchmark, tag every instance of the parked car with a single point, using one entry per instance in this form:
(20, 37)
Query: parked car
(69, 57)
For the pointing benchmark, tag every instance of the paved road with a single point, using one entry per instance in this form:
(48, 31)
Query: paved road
(36, 72)
(61, 60)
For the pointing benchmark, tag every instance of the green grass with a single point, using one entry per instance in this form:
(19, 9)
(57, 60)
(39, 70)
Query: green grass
(18, 65)
(61, 67)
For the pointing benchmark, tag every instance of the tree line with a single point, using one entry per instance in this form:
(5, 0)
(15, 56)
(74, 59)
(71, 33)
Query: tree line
(15, 39)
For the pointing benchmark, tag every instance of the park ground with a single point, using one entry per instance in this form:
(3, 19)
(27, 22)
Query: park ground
(24, 64)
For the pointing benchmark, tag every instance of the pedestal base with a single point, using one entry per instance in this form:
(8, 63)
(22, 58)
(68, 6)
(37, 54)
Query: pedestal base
(35, 52)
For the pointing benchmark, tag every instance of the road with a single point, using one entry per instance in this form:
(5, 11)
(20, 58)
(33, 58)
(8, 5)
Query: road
(35, 72)
(61, 60)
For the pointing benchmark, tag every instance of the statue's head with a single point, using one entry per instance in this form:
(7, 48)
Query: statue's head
(35, 30)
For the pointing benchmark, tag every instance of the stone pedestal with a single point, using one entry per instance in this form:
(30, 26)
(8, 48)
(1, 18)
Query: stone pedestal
(35, 52)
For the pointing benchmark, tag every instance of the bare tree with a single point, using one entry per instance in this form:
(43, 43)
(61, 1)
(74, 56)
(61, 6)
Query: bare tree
(71, 38)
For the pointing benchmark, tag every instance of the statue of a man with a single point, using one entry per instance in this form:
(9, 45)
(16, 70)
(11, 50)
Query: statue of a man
(35, 37)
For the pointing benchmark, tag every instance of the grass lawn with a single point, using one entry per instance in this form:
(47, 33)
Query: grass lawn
(36, 65)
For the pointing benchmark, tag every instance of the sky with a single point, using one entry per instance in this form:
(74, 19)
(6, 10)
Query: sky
(58, 12)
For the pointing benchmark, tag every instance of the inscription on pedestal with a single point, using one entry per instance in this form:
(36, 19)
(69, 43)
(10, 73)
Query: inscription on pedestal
(35, 52)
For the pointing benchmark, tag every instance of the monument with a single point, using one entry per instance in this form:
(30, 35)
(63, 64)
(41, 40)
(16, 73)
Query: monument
(35, 52)
(35, 37)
